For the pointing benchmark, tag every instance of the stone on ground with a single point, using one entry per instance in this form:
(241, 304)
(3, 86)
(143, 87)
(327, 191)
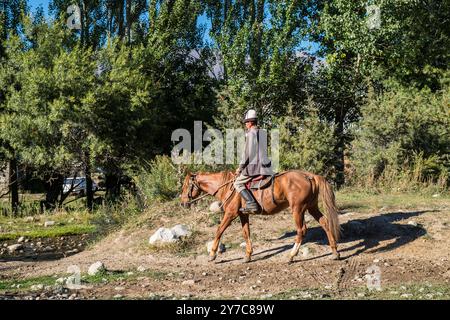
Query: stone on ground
(220, 249)
(49, 223)
(96, 268)
(15, 247)
(165, 235)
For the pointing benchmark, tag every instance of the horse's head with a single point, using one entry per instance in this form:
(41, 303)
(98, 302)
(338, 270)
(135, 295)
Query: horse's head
(191, 190)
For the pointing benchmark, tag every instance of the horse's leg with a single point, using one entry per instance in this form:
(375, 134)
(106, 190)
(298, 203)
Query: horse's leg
(298, 212)
(226, 221)
(246, 232)
(315, 212)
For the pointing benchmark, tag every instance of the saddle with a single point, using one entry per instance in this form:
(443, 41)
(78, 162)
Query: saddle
(260, 182)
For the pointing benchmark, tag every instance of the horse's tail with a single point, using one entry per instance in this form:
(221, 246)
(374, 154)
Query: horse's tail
(331, 211)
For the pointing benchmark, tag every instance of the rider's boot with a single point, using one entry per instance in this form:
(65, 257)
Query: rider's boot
(251, 205)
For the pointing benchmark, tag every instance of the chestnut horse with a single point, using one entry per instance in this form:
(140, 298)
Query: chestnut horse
(295, 189)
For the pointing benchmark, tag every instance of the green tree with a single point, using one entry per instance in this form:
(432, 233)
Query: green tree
(260, 45)
(397, 126)
(11, 12)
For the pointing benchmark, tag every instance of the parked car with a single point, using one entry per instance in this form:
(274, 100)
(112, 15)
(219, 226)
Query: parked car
(78, 185)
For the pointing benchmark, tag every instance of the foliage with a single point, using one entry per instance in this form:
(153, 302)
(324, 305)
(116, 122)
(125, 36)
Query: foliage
(307, 143)
(404, 128)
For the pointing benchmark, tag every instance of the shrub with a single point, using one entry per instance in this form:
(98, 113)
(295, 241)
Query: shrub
(159, 180)
(307, 143)
(403, 135)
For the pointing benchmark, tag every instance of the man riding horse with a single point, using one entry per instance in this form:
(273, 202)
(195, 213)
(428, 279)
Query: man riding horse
(295, 189)
(254, 161)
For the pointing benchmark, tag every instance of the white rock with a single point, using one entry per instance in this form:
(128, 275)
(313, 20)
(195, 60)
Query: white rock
(412, 223)
(180, 230)
(436, 195)
(216, 207)
(21, 239)
(15, 247)
(37, 287)
(163, 235)
(305, 251)
(118, 296)
(49, 223)
(243, 245)
(60, 280)
(406, 295)
(220, 249)
(96, 268)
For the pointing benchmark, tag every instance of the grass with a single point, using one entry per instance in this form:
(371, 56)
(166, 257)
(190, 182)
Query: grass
(51, 232)
(18, 285)
(65, 224)
(350, 200)
(112, 276)
(24, 285)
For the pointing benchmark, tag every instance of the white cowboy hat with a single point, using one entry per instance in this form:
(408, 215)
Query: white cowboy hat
(250, 115)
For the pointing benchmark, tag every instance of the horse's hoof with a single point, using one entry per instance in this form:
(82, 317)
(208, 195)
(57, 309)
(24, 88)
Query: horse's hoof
(212, 258)
(335, 256)
(247, 259)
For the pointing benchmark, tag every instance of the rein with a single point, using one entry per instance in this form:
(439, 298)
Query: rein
(207, 194)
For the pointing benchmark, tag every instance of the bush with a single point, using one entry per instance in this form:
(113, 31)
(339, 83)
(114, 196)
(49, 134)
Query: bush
(307, 143)
(403, 135)
(159, 180)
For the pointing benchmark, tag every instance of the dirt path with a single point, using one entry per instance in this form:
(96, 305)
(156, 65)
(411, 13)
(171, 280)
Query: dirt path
(410, 248)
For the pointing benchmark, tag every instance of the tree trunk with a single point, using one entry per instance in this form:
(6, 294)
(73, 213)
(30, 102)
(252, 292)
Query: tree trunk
(128, 20)
(340, 146)
(112, 185)
(14, 185)
(226, 10)
(120, 19)
(89, 192)
(53, 187)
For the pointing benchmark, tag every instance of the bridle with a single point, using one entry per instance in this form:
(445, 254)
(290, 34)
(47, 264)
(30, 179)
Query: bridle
(193, 185)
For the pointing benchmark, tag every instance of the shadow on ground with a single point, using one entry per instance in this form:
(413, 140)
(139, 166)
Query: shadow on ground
(370, 231)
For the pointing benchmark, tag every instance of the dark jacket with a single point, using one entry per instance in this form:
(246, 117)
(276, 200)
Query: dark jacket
(255, 161)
